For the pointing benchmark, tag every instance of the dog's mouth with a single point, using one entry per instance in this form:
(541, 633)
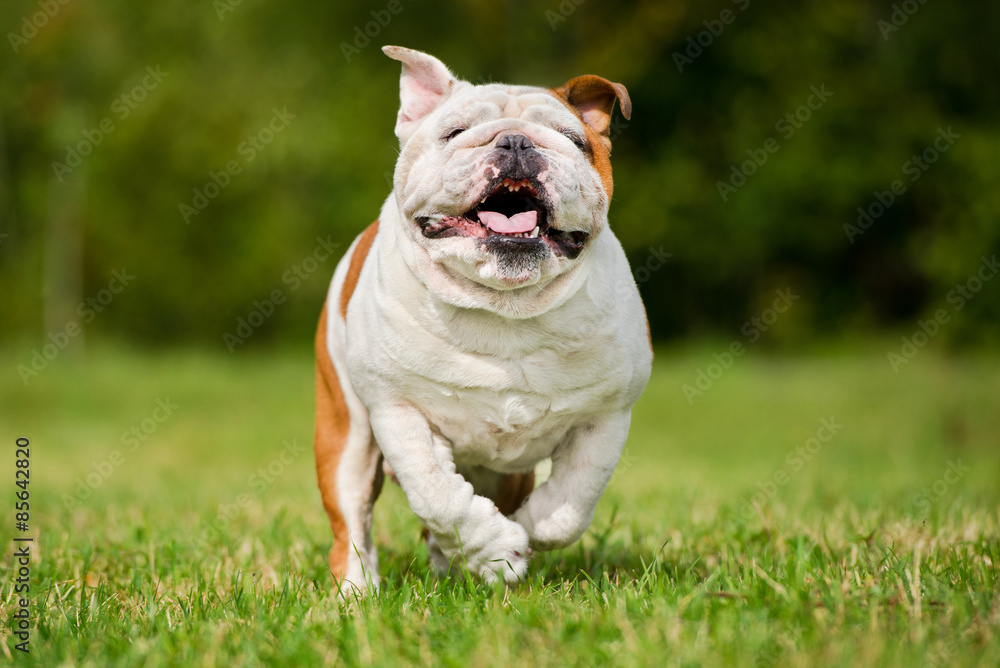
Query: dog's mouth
(509, 209)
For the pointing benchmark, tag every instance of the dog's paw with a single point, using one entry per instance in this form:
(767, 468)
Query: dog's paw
(486, 543)
(504, 557)
(353, 590)
(562, 527)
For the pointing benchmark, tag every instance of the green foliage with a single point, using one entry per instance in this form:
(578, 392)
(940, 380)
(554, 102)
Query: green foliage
(860, 559)
(231, 64)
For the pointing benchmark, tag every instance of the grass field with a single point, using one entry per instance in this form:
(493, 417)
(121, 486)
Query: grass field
(804, 511)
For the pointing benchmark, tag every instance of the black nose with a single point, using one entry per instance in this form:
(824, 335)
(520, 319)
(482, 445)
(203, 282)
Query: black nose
(515, 143)
(517, 158)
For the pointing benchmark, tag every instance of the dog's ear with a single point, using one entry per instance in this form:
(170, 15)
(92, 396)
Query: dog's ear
(594, 98)
(423, 85)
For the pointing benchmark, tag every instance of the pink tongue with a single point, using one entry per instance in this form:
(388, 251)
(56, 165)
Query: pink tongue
(519, 222)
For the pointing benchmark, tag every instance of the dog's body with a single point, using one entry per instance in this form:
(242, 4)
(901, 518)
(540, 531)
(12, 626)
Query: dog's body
(474, 330)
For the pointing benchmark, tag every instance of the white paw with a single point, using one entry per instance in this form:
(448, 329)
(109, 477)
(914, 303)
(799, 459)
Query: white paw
(353, 589)
(360, 579)
(505, 557)
(497, 551)
(561, 528)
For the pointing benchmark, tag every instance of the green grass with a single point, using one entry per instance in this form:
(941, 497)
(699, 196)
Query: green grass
(857, 559)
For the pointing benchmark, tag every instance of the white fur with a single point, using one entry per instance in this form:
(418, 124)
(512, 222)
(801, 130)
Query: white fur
(359, 458)
(458, 364)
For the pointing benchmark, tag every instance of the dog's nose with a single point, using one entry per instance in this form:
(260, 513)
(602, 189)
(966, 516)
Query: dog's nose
(517, 158)
(515, 143)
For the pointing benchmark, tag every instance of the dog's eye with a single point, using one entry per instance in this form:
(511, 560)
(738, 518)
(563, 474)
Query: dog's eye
(453, 133)
(571, 135)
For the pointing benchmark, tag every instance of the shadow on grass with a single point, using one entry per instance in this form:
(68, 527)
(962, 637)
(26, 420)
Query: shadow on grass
(612, 552)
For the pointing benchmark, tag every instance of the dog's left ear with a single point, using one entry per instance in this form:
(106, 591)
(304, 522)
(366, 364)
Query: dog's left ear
(423, 85)
(594, 97)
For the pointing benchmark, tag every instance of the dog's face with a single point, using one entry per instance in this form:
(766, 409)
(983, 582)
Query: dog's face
(501, 187)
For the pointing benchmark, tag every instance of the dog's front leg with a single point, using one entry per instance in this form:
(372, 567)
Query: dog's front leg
(464, 524)
(560, 510)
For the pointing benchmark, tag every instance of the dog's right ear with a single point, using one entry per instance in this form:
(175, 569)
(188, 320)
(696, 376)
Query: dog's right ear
(423, 85)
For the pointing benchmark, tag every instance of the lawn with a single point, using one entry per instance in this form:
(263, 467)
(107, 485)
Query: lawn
(815, 510)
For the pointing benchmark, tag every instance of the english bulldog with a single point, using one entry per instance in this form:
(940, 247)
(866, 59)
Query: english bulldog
(485, 322)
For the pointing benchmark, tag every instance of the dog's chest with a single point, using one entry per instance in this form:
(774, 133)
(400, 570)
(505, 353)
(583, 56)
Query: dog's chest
(509, 413)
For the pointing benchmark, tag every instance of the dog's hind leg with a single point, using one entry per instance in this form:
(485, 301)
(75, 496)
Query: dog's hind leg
(348, 468)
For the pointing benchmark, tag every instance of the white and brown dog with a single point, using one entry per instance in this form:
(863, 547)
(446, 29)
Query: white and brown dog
(485, 322)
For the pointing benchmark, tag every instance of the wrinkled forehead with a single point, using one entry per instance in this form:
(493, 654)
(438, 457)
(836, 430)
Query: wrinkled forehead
(526, 103)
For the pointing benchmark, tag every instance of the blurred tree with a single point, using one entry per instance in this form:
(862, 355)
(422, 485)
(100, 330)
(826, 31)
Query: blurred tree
(138, 111)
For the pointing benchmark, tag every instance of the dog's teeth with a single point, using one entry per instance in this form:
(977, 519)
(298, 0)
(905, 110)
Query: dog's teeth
(534, 232)
(482, 201)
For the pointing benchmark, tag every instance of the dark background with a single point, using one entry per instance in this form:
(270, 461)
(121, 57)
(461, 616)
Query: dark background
(228, 66)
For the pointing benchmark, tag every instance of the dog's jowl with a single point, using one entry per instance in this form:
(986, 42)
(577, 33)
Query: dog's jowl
(486, 321)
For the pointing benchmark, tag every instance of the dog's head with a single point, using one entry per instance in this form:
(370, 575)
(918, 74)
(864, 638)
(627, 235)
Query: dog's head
(503, 188)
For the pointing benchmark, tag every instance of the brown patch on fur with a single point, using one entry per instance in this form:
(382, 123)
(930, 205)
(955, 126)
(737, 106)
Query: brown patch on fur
(354, 269)
(333, 418)
(332, 425)
(600, 158)
(592, 99)
(512, 490)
